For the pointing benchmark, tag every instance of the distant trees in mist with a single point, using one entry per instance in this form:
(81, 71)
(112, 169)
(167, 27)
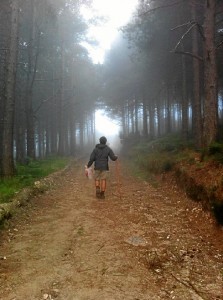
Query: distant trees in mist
(163, 75)
(166, 75)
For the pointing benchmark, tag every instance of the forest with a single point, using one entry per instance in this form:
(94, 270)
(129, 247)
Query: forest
(163, 74)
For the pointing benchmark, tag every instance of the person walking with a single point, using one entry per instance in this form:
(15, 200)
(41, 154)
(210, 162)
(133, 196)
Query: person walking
(99, 157)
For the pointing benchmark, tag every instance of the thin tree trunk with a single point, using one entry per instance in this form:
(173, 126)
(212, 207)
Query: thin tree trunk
(136, 116)
(72, 136)
(168, 112)
(47, 138)
(196, 113)
(158, 118)
(145, 116)
(151, 121)
(61, 144)
(123, 123)
(210, 75)
(8, 166)
(20, 132)
(30, 80)
(184, 99)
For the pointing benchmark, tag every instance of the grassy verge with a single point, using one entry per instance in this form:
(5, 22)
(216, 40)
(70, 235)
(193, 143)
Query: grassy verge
(28, 174)
(161, 155)
(158, 156)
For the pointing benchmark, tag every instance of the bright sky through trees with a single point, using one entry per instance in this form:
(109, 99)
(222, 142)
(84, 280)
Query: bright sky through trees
(105, 124)
(116, 13)
(107, 127)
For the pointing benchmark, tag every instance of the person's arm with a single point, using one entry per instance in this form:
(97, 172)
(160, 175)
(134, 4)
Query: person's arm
(92, 159)
(112, 156)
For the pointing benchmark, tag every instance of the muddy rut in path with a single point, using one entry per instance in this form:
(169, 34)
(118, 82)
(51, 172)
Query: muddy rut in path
(153, 243)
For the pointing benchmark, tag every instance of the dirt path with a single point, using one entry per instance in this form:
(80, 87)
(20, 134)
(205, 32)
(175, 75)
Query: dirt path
(153, 243)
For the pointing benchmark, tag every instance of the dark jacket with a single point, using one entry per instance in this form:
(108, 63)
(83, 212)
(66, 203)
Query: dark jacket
(100, 156)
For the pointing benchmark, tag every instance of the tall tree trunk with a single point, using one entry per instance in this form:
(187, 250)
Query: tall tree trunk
(168, 111)
(5, 25)
(123, 123)
(30, 81)
(72, 136)
(159, 121)
(210, 75)
(136, 116)
(132, 117)
(196, 113)
(53, 125)
(47, 138)
(8, 166)
(145, 116)
(184, 98)
(61, 143)
(82, 133)
(20, 132)
(151, 120)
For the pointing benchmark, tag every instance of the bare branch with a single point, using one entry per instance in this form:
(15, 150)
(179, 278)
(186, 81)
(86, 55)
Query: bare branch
(199, 27)
(189, 54)
(36, 61)
(219, 45)
(46, 100)
(161, 7)
(193, 24)
(182, 25)
(183, 36)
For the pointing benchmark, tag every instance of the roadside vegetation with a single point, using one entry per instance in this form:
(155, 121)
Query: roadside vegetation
(198, 172)
(28, 174)
(158, 156)
(163, 154)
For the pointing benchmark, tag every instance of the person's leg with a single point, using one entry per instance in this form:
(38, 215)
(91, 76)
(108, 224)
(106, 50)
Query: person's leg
(97, 184)
(103, 183)
(103, 188)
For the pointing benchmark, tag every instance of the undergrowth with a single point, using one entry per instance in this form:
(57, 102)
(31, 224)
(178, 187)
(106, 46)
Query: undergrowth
(157, 157)
(160, 155)
(28, 174)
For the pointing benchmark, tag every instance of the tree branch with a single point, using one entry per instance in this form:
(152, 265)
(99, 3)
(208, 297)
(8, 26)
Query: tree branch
(199, 27)
(183, 36)
(45, 101)
(193, 24)
(189, 54)
(182, 25)
(160, 7)
(219, 45)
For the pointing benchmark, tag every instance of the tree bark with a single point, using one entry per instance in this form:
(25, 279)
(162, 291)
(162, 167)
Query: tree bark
(210, 75)
(184, 99)
(61, 142)
(30, 80)
(196, 118)
(151, 121)
(168, 111)
(145, 116)
(8, 166)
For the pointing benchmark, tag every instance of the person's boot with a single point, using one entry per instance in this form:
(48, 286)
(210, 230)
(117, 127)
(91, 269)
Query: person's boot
(98, 192)
(102, 196)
